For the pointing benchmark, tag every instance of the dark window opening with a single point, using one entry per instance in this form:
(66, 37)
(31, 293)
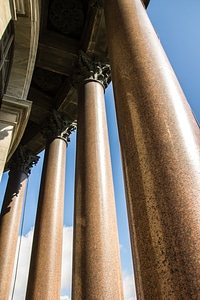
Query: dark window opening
(6, 54)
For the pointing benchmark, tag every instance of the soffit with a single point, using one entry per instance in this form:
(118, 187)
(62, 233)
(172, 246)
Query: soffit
(67, 26)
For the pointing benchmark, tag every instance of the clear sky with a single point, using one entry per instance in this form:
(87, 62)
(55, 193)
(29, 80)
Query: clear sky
(177, 24)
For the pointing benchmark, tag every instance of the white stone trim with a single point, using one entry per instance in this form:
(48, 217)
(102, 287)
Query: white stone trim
(14, 115)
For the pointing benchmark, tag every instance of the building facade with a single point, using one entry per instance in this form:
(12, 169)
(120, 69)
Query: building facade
(57, 58)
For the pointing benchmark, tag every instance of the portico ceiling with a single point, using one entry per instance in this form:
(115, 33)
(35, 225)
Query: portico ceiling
(67, 26)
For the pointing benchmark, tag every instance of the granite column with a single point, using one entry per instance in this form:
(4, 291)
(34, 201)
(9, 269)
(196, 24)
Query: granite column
(160, 145)
(96, 263)
(45, 268)
(20, 166)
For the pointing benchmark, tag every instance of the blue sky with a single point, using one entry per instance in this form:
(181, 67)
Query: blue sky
(177, 24)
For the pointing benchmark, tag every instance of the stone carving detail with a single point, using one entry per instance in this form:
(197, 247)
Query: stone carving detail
(95, 3)
(20, 7)
(22, 160)
(67, 16)
(58, 126)
(92, 70)
(46, 80)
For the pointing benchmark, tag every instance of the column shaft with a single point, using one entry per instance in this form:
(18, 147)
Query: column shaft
(96, 264)
(45, 269)
(9, 228)
(160, 143)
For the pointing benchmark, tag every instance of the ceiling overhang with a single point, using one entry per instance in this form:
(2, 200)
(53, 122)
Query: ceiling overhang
(67, 27)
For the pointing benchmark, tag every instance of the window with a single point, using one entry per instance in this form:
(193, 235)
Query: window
(6, 53)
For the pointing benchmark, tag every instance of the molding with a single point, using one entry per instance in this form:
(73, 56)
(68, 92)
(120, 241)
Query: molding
(15, 112)
(13, 9)
(21, 8)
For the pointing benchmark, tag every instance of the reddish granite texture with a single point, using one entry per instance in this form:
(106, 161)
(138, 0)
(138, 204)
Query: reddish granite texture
(160, 143)
(45, 269)
(96, 265)
(9, 228)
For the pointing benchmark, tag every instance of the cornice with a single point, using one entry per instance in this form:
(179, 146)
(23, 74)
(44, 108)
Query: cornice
(19, 110)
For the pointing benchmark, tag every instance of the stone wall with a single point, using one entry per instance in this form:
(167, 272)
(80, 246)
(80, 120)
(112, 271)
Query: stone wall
(5, 15)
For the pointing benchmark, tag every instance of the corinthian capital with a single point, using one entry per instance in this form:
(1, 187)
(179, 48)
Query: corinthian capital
(58, 126)
(22, 160)
(95, 70)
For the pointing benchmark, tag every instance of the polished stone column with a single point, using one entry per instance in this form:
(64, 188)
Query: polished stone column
(96, 263)
(45, 268)
(160, 144)
(20, 166)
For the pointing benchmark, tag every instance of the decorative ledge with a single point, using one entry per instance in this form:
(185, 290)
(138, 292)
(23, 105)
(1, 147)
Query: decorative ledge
(14, 115)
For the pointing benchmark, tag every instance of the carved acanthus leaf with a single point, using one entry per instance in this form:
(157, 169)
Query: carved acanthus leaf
(58, 126)
(22, 160)
(91, 69)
